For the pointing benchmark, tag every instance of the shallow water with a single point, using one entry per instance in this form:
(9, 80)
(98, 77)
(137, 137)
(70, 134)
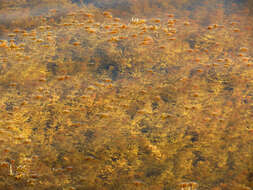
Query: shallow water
(126, 94)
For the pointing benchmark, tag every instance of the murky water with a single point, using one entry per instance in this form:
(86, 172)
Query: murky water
(126, 94)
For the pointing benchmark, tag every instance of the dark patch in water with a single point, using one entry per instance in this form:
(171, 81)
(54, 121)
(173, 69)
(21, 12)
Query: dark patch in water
(106, 64)
(153, 171)
(52, 67)
(9, 106)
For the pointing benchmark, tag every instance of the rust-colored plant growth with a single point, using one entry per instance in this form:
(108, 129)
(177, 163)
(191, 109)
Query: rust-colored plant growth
(105, 99)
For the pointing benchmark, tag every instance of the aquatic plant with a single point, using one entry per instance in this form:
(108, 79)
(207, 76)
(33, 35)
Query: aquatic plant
(93, 101)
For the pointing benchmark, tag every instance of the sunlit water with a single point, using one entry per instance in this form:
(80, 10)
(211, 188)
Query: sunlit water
(126, 95)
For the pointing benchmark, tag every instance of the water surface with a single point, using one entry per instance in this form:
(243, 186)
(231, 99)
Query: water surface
(126, 94)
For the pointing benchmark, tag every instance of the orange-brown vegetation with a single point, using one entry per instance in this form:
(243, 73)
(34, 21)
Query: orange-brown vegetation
(92, 101)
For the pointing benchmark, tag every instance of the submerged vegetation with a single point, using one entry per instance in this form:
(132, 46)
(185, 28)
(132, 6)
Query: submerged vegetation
(92, 101)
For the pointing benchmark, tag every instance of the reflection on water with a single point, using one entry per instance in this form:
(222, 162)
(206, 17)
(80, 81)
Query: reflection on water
(126, 95)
